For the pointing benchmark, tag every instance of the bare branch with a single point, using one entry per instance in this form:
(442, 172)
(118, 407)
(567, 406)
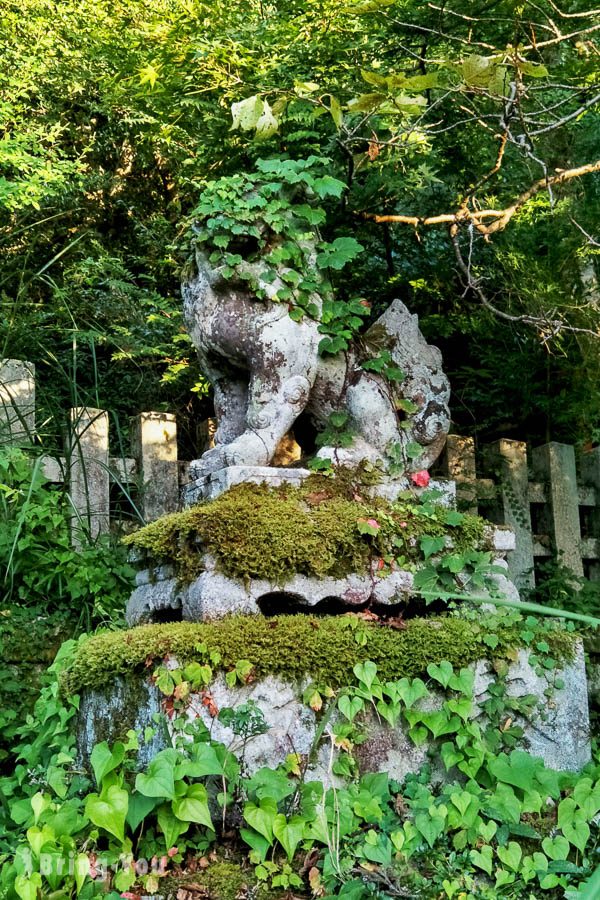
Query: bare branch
(479, 217)
(592, 241)
(547, 327)
(588, 14)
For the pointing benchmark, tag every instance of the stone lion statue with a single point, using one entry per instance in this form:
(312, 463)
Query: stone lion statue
(266, 371)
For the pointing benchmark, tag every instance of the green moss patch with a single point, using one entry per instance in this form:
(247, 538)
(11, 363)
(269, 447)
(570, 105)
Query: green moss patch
(222, 880)
(325, 649)
(256, 531)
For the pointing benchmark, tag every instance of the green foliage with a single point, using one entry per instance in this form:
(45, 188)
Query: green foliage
(39, 565)
(255, 531)
(262, 230)
(29, 640)
(116, 115)
(497, 820)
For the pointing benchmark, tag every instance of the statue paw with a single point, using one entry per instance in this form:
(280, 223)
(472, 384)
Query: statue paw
(211, 461)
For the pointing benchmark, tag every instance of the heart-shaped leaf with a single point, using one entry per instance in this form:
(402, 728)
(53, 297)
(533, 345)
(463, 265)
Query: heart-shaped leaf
(442, 672)
(430, 826)
(482, 859)
(170, 825)
(139, 808)
(109, 810)
(510, 855)
(289, 833)
(193, 806)
(556, 848)
(411, 691)
(37, 837)
(487, 830)
(159, 778)
(104, 760)
(365, 672)
(350, 707)
(261, 817)
(463, 682)
(27, 888)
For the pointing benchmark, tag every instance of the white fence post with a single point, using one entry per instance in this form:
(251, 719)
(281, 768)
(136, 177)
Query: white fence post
(89, 479)
(154, 441)
(17, 402)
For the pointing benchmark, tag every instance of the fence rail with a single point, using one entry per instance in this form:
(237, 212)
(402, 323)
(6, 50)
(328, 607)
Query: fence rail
(548, 495)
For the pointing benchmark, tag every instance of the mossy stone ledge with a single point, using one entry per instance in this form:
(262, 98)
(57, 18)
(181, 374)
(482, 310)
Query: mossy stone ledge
(284, 656)
(258, 531)
(298, 646)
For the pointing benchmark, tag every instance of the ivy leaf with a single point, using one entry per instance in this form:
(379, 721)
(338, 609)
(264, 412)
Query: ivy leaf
(430, 545)
(289, 833)
(261, 817)
(431, 823)
(256, 841)
(350, 707)
(556, 848)
(158, 781)
(482, 859)
(511, 855)
(109, 810)
(338, 253)
(442, 672)
(366, 672)
(139, 808)
(104, 760)
(328, 186)
(193, 806)
(27, 888)
(170, 825)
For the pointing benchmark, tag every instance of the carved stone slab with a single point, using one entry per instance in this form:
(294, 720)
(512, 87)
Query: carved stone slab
(159, 597)
(207, 487)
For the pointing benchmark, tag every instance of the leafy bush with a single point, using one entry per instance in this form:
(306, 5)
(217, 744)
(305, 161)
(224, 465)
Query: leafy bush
(498, 824)
(39, 565)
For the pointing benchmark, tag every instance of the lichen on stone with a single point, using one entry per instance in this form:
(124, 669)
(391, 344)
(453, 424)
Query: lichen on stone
(257, 531)
(325, 649)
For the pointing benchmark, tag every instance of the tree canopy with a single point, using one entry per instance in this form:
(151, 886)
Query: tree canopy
(466, 135)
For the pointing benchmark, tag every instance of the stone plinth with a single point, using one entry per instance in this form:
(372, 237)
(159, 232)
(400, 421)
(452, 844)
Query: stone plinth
(159, 597)
(562, 740)
(208, 487)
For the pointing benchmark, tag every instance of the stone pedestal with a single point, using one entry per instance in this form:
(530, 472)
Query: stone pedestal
(207, 487)
(562, 740)
(159, 597)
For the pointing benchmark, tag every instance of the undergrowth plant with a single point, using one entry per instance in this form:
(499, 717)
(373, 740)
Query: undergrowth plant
(39, 564)
(495, 822)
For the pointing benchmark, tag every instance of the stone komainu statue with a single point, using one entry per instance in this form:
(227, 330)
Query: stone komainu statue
(266, 371)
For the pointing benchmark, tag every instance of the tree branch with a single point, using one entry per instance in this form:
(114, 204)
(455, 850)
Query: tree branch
(479, 217)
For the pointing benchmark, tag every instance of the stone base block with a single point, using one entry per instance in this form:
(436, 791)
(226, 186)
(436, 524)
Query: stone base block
(159, 597)
(562, 740)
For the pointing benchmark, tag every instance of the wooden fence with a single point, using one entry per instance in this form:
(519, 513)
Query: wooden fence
(548, 496)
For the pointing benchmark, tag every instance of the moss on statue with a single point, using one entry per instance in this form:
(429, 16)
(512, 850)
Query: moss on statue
(256, 531)
(294, 647)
